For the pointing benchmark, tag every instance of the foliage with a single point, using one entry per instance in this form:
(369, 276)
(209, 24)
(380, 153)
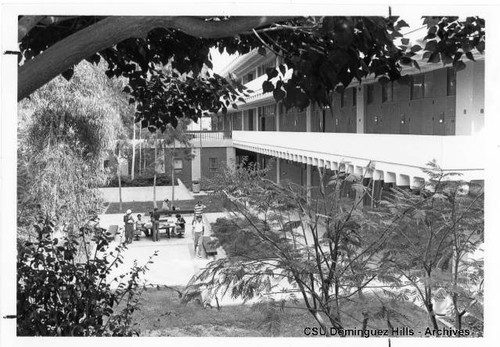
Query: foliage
(59, 296)
(143, 181)
(318, 249)
(436, 230)
(65, 131)
(325, 53)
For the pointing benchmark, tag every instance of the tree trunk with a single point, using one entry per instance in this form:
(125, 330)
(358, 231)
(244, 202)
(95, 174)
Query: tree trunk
(154, 175)
(133, 152)
(119, 183)
(140, 152)
(172, 173)
(106, 33)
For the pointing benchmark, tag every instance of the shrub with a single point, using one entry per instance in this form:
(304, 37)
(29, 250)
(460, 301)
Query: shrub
(57, 295)
(161, 180)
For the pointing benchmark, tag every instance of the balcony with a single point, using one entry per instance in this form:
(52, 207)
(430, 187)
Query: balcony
(206, 138)
(398, 158)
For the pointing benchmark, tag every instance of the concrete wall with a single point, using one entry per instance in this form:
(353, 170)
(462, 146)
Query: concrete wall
(220, 154)
(144, 193)
(470, 99)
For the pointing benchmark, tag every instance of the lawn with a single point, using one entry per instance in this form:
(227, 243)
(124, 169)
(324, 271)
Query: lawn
(163, 314)
(212, 204)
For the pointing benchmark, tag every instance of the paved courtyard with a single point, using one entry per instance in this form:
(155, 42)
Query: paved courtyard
(176, 262)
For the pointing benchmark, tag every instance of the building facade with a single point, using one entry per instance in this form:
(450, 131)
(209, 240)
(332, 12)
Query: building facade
(397, 127)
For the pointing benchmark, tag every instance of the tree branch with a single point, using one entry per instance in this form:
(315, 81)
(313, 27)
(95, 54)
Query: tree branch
(25, 24)
(112, 30)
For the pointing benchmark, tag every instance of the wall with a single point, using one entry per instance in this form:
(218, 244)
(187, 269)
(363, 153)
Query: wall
(470, 99)
(293, 172)
(144, 193)
(206, 153)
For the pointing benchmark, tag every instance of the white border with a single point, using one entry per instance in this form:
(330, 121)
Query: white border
(8, 125)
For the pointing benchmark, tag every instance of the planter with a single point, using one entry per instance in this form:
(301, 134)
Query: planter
(196, 187)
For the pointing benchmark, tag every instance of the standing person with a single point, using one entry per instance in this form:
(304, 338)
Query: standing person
(155, 218)
(198, 209)
(128, 219)
(198, 231)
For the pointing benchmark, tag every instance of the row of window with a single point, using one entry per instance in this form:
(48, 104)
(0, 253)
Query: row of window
(421, 86)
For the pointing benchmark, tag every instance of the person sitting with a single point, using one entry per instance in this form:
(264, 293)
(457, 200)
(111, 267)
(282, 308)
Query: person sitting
(180, 225)
(140, 225)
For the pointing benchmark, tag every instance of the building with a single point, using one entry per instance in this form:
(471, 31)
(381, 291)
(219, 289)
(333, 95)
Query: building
(398, 127)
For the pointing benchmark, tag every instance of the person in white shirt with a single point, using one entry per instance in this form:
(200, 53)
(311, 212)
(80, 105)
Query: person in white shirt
(198, 231)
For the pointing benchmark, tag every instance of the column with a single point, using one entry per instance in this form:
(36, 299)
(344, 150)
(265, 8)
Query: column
(277, 117)
(308, 118)
(360, 109)
(308, 181)
(231, 157)
(196, 164)
(278, 170)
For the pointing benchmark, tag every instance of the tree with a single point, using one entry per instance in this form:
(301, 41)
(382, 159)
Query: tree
(59, 294)
(319, 249)
(437, 226)
(65, 130)
(325, 53)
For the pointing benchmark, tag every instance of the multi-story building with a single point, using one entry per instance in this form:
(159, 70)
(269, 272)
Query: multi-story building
(399, 127)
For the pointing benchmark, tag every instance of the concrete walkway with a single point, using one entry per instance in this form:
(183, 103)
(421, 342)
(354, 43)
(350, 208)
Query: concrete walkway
(175, 263)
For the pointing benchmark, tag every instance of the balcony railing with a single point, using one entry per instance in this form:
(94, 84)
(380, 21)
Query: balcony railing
(208, 135)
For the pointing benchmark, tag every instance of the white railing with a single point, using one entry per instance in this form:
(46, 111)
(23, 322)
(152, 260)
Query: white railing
(395, 153)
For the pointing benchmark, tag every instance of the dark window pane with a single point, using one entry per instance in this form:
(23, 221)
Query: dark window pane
(387, 92)
(451, 84)
(417, 87)
(428, 84)
(354, 96)
(369, 93)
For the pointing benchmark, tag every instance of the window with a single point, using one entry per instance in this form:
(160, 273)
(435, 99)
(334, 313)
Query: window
(369, 93)
(342, 98)
(354, 96)
(451, 82)
(212, 165)
(177, 164)
(247, 78)
(428, 84)
(417, 87)
(387, 92)
(261, 70)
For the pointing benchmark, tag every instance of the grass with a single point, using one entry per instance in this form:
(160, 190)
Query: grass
(212, 205)
(163, 314)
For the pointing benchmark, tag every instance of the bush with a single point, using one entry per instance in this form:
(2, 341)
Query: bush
(57, 295)
(238, 241)
(161, 180)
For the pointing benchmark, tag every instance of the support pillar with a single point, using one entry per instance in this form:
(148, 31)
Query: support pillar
(360, 109)
(196, 164)
(308, 181)
(278, 170)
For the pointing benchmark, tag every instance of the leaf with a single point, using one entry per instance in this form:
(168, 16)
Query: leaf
(267, 87)
(459, 65)
(282, 69)
(470, 56)
(278, 94)
(431, 46)
(405, 41)
(434, 58)
(262, 51)
(415, 64)
(416, 48)
(68, 73)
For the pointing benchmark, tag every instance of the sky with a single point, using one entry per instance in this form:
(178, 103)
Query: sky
(221, 60)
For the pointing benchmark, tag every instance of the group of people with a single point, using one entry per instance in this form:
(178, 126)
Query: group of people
(133, 227)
